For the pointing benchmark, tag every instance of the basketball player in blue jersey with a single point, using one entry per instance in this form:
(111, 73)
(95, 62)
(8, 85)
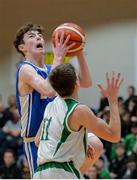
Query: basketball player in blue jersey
(63, 131)
(33, 91)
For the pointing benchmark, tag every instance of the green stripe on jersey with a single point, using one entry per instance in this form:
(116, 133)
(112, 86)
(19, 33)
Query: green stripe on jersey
(71, 104)
(67, 166)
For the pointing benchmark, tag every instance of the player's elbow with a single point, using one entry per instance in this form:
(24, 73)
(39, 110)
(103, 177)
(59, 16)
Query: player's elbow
(116, 138)
(89, 84)
(50, 93)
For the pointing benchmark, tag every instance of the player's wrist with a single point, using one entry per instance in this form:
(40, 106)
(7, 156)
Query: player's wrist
(57, 59)
(80, 54)
(113, 101)
(56, 63)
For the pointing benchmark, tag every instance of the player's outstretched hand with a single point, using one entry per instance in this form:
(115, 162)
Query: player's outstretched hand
(113, 82)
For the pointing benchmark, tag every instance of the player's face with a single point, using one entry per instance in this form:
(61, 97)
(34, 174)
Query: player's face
(34, 43)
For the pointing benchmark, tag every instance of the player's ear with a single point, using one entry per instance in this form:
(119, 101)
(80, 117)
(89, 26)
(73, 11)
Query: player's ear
(22, 47)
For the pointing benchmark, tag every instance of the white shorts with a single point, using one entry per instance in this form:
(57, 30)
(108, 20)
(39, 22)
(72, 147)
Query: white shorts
(56, 170)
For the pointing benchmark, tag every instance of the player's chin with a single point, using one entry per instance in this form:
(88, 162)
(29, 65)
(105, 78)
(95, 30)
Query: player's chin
(41, 51)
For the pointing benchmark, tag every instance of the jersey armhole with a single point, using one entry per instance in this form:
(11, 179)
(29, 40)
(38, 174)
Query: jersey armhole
(30, 65)
(67, 117)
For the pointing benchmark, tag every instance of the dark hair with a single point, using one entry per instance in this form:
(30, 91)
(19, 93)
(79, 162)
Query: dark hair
(134, 125)
(131, 158)
(120, 98)
(120, 144)
(63, 79)
(133, 88)
(9, 151)
(24, 29)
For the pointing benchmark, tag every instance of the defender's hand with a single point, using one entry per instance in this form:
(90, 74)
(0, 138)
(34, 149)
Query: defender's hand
(113, 84)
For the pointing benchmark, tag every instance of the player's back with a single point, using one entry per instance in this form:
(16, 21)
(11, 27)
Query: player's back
(58, 142)
(31, 107)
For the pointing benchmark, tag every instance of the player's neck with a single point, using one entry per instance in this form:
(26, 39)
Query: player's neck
(75, 93)
(73, 96)
(36, 60)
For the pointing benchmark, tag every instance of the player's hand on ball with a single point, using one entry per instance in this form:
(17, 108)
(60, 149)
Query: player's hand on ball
(61, 46)
(70, 33)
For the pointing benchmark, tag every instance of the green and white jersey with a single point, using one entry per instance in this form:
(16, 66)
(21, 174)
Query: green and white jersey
(58, 142)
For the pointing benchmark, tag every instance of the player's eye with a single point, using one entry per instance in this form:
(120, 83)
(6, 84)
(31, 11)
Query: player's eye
(40, 35)
(31, 35)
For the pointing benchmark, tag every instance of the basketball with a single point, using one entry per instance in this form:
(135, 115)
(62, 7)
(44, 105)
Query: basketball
(77, 35)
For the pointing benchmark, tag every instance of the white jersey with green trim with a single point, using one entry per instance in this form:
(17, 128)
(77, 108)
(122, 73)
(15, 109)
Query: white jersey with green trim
(58, 142)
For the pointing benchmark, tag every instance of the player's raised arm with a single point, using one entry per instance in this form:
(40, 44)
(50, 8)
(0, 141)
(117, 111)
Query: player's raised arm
(85, 77)
(85, 117)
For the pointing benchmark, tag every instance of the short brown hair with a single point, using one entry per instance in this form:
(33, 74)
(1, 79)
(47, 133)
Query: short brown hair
(63, 79)
(24, 29)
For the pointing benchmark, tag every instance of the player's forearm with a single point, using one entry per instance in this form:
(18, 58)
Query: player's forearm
(115, 123)
(85, 77)
(43, 87)
(48, 90)
(37, 137)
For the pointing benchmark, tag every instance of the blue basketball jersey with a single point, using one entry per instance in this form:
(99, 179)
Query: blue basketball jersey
(31, 107)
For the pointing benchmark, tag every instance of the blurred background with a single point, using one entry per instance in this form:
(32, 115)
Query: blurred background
(111, 44)
(111, 37)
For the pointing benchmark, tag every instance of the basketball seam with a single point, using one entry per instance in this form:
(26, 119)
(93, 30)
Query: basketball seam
(73, 29)
(76, 49)
(76, 31)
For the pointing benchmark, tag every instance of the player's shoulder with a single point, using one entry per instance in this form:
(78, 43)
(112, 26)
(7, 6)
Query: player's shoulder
(27, 72)
(81, 113)
(27, 68)
(82, 109)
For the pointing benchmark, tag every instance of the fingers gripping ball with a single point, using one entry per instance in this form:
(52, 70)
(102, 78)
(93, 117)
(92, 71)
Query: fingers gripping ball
(76, 33)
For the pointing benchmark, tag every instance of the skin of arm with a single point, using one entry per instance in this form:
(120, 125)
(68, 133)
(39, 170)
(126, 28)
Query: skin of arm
(83, 116)
(110, 132)
(37, 137)
(29, 80)
(84, 76)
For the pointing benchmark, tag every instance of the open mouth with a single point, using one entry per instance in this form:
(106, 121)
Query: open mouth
(40, 45)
